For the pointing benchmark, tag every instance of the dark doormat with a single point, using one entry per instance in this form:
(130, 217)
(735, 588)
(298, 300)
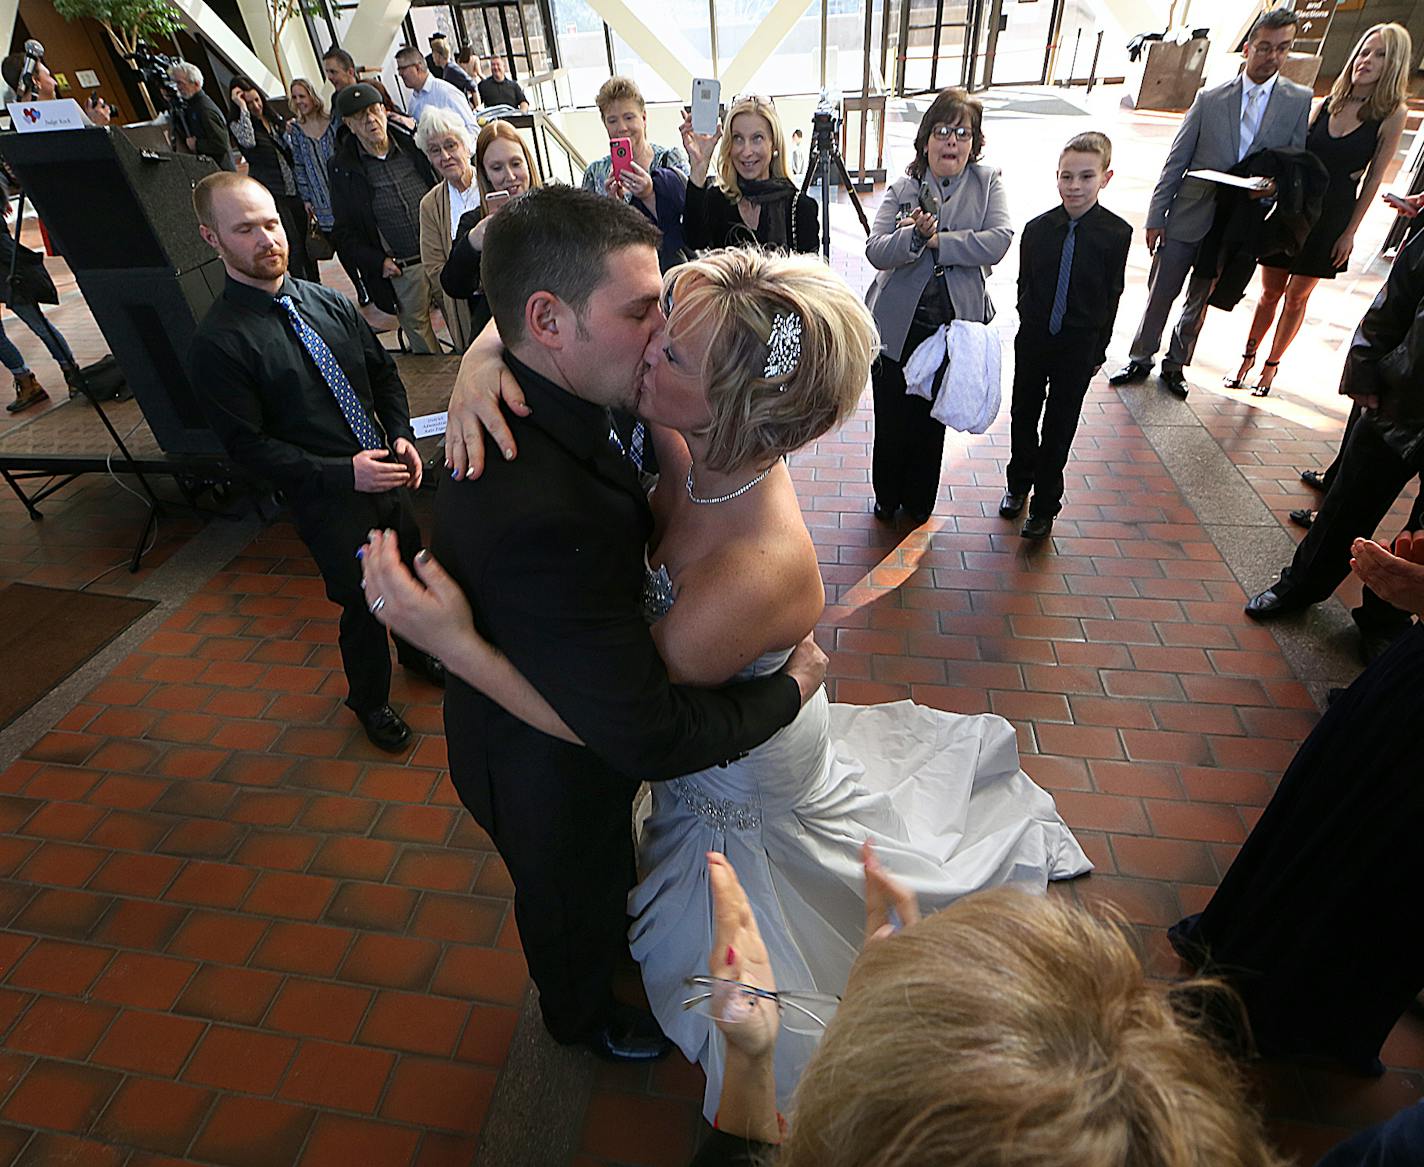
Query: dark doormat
(47, 633)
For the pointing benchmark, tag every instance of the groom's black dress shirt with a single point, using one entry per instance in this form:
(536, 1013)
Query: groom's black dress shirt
(549, 548)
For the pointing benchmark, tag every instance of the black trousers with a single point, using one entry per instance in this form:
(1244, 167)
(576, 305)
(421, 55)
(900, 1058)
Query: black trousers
(562, 822)
(1060, 369)
(909, 443)
(333, 528)
(1369, 479)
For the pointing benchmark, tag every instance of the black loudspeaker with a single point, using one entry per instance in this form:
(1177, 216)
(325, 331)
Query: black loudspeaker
(109, 205)
(149, 318)
(123, 220)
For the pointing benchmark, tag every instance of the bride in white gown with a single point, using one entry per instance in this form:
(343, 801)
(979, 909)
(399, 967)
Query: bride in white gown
(761, 355)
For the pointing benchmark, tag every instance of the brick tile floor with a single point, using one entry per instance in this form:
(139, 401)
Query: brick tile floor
(233, 933)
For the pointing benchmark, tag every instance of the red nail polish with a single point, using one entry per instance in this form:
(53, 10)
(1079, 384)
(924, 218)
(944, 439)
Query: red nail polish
(731, 956)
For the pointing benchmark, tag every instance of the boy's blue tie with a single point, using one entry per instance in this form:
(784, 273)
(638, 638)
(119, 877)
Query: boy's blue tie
(1060, 295)
(335, 378)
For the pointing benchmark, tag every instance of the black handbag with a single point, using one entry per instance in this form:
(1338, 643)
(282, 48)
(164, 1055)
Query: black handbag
(32, 282)
(319, 245)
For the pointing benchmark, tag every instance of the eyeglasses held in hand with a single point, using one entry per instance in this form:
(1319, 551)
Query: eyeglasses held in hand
(734, 1001)
(943, 132)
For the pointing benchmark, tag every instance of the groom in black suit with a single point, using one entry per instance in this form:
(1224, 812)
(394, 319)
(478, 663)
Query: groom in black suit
(549, 549)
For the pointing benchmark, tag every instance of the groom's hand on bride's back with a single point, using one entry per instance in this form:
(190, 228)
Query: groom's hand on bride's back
(807, 666)
(483, 389)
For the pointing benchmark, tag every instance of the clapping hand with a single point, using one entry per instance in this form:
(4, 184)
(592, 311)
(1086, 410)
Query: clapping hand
(1398, 577)
(922, 221)
(889, 905)
(738, 954)
(699, 148)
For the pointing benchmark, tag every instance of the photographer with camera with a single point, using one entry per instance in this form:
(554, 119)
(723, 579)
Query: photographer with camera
(30, 79)
(197, 121)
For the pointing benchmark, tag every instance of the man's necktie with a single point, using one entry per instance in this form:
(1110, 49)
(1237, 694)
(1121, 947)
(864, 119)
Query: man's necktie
(637, 441)
(1065, 271)
(1250, 122)
(346, 399)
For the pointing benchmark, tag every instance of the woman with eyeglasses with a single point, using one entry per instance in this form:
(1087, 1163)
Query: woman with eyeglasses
(445, 139)
(941, 226)
(760, 355)
(1008, 1030)
(753, 203)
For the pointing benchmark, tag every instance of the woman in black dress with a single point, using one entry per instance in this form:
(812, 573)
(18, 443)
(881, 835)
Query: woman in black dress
(1355, 133)
(755, 204)
(1316, 922)
(261, 136)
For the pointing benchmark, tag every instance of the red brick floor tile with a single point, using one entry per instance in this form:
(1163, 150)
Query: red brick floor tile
(60, 1095)
(340, 1141)
(1080, 741)
(1135, 779)
(50, 1150)
(485, 974)
(1206, 821)
(62, 783)
(53, 966)
(435, 869)
(1141, 901)
(487, 1035)
(441, 1150)
(332, 813)
(211, 885)
(1157, 745)
(342, 1077)
(202, 840)
(143, 980)
(371, 905)
(1103, 812)
(238, 995)
(351, 858)
(394, 962)
(137, 924)
(444, 1095)
(289, 896)
(495, 880)
(415, 1023)
(280, 850)
(123, 831)
(136, 875)
(240, 1059)
(1173, 859)
(59, 1028)
(63, 820)
(225, 938)
(461, 919)
(148, 1043)
(303, 948)
(319, 1009)
(153, 1114)
(253, 1132)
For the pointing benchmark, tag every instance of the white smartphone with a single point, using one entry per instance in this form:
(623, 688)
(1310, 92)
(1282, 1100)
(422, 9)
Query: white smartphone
(706, 98)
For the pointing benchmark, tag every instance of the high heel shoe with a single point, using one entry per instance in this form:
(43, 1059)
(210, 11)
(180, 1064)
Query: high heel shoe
(1248, 359)
(1263, 386)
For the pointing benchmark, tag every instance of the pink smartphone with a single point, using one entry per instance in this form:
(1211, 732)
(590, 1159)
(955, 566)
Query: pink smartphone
(621, 151)
(494, 200)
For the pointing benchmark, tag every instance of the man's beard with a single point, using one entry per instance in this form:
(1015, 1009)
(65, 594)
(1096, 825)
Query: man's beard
(256, 272)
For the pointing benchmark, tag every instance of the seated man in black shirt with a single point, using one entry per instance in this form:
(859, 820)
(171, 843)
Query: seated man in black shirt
(302, 394)
(498, 89)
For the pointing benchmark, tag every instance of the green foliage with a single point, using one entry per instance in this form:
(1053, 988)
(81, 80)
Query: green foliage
(127, 21)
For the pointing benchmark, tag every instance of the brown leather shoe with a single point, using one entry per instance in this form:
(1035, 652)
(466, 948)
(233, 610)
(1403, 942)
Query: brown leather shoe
(28, 392)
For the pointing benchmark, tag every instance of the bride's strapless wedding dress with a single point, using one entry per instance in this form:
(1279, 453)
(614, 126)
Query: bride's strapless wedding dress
(940, 795)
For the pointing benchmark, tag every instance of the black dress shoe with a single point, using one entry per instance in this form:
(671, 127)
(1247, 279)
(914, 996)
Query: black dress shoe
(1011, 505)
(1037, 527)
(1174, 382)
(1304, 517)
(385, 729)
(632, 1035)
(428, 667)
(885, 514)
(1272, 603)
(1315, 478)
(1130, 374)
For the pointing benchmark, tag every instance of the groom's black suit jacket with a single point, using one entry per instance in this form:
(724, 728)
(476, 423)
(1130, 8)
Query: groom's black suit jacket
(549, 548)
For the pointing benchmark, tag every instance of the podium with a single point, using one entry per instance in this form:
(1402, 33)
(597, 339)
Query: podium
(123, 219)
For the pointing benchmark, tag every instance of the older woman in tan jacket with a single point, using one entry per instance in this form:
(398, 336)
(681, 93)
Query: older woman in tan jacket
(446, 142)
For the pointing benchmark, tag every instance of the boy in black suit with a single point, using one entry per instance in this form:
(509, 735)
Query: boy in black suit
(549, 549)
(1072, 264)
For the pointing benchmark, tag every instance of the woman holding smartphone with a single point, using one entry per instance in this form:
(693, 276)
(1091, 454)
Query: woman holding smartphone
(754, 203)
(939, 229)
(504, 168)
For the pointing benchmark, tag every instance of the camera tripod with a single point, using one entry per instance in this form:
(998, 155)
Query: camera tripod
(824, 154)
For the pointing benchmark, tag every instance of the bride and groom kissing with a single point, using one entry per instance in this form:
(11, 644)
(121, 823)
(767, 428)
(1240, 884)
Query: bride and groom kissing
(597, 636)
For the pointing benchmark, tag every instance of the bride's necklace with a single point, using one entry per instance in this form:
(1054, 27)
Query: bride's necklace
(741, 490)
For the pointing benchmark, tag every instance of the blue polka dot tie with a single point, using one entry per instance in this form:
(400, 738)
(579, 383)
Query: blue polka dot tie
(335, 378)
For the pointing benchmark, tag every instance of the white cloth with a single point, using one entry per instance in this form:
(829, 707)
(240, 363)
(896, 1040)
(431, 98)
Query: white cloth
(438, 94)
(1254, 99)
(970, 392)
(940, 795)
(460, 202)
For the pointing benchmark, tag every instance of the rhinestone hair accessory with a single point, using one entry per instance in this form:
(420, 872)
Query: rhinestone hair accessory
(783, 350)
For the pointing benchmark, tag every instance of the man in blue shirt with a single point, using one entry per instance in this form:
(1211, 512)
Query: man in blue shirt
(428, 92)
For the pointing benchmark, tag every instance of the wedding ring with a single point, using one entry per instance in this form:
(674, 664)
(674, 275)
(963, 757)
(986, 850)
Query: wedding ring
(377, 604)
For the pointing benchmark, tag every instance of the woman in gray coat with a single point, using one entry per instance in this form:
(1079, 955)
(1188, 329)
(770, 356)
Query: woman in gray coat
(938, 231)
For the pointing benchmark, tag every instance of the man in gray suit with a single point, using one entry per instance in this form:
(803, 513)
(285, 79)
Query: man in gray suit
(1256, 110)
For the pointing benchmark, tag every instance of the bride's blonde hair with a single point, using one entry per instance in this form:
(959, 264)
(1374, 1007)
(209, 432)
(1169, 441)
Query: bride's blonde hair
(738, 294)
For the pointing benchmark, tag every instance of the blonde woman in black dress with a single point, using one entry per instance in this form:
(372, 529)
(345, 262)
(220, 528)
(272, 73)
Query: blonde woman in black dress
(1355, 133)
